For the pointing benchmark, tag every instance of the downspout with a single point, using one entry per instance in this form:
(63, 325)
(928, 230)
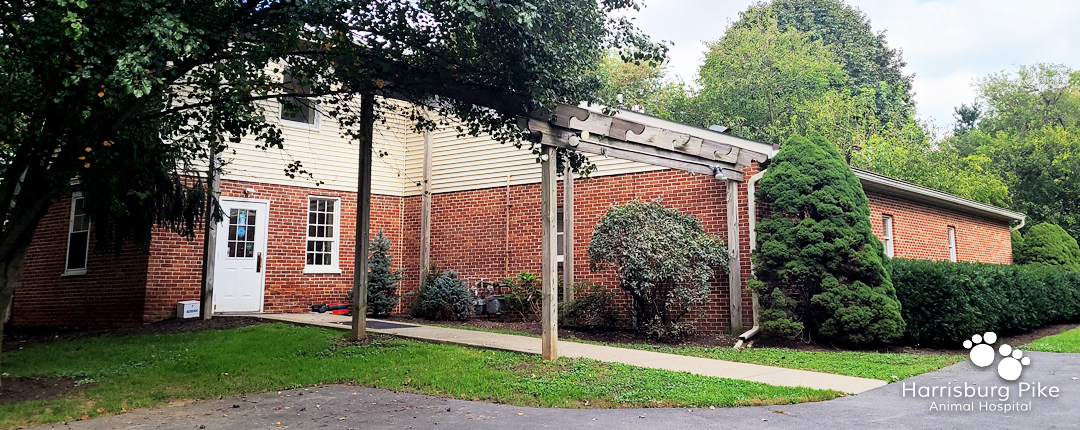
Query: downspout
(751, 203)
(1019, 226)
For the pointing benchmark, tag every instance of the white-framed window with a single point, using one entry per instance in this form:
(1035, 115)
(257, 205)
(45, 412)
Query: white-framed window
(322, 235)
(887, 234)
(298, 110)
(78, 237)
(560, 234)
(952, 243)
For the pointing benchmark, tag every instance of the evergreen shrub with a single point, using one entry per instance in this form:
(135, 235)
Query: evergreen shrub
(1048, 244)
(664, 260)
(819, 267)
(443, 296)
(945, 302)
(382, 279)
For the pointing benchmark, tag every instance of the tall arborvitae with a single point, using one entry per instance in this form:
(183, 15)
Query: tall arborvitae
(382, 279)
(820, 269)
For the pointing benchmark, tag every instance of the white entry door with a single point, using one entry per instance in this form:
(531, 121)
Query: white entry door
(240, 267)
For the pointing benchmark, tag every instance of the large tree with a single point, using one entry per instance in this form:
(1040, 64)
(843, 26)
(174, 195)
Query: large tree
(130, 96)
(769, 79)
(769, 83)
(869, 62)
(1027, 124)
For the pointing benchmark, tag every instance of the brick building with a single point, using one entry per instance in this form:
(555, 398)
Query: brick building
(288, 243)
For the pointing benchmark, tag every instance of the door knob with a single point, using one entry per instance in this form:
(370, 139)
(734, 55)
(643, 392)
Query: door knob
(258, 263)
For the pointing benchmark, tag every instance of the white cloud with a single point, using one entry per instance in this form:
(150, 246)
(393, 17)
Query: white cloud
(946, 43)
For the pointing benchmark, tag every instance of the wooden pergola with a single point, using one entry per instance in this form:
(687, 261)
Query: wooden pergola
(595, 130)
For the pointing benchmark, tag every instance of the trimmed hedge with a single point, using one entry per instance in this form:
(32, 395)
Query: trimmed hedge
(944, 303)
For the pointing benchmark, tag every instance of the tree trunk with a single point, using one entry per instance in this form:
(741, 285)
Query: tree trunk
(17, 231)
(9, 275)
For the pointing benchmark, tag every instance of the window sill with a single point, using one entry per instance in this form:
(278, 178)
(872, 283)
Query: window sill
(316, 270)
(299, 124)
(73, 273)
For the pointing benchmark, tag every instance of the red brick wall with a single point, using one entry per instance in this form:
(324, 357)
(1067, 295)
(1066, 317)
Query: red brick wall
(920, 231)
(489, 233)
(175, 267)
(469, 228)
(110, 294)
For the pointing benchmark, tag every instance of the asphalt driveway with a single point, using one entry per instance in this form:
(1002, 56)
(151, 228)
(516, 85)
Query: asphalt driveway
(345, 407)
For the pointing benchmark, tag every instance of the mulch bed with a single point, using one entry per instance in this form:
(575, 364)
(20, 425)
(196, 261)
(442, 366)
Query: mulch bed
(16, 390)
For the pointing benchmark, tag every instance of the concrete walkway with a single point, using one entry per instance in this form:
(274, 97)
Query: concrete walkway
(679, 363)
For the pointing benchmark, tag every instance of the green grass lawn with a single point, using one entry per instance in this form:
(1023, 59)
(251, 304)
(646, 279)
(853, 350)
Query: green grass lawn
(889, 367)
(141, 371)
(1068, 341)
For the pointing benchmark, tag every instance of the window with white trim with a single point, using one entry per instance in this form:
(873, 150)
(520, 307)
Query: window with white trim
(298, 109)
(887, 234)
(322, 235)
(952, 243)
(78, 237)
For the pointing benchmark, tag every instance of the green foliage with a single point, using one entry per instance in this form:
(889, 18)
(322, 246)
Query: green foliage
(525, 298)
(1027, 125)
(818, 249)
(1017, 244)
(382, 278)
(664, 260)
(443, 296)
(593, 307)
(945, 303)
(1047, 244)
(768, 83)
(869, 63)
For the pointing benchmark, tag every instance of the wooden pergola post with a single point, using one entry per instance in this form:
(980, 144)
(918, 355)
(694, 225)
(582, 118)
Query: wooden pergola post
(734, 263)
(549, 268)
(363, 218)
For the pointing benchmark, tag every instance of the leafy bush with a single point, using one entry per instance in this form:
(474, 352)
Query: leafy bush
(443, 296)
(820, 267)
(663, 258)
(945, 303)
(382, 280)
(1048, 245)
(525, 299)
(593, 307)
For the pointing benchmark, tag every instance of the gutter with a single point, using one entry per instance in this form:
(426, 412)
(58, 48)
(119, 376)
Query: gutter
(751, 203)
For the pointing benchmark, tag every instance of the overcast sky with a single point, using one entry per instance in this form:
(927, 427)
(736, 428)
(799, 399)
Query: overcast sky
(946, 43)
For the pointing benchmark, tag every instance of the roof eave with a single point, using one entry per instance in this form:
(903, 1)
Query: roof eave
(902, 188)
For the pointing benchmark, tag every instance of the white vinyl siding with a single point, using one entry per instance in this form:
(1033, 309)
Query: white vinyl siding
(952, 243)
(331, 158)
(323, 230)
(887, 234)
(78, 237)
(472, 163)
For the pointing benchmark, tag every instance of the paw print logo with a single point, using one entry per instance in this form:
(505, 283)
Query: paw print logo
(982, 353)
(1013, 364)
